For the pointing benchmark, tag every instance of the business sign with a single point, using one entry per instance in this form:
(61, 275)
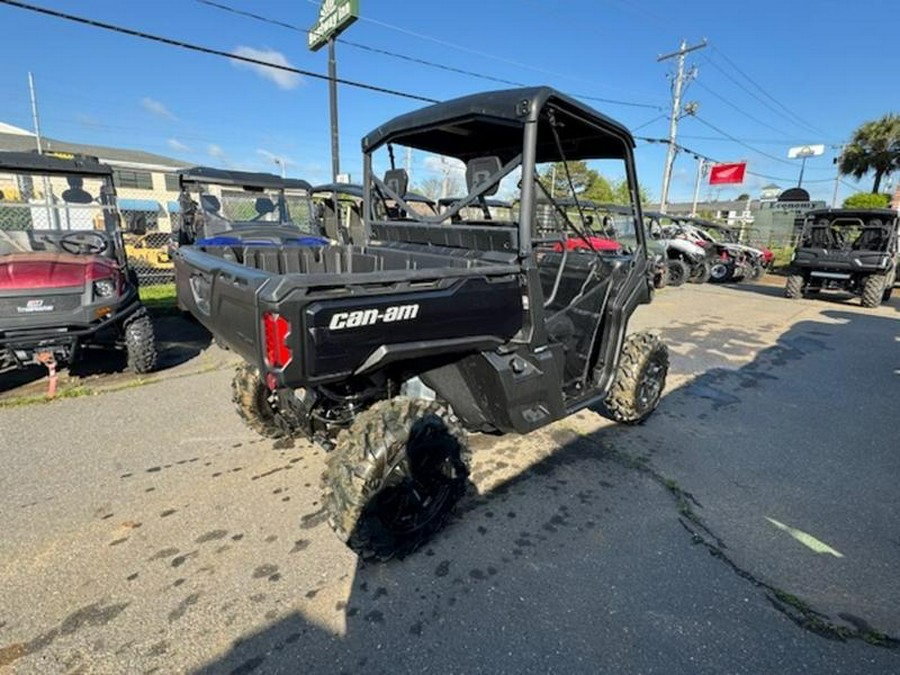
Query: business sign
(806, 151)
(727, 174)
(334, 17)
(793, 206)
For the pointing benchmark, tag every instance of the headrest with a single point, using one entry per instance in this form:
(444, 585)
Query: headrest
(397, 180)
(479, 170)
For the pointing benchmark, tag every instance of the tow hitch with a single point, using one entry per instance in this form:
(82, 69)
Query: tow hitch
(48, 360)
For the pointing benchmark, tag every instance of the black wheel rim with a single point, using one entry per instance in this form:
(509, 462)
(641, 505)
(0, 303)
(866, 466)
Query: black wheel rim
(421, 484)
(718, 271)
(651, 386)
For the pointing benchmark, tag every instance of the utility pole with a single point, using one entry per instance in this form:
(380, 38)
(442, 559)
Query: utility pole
(677, 91)
(52, 215)
(837, 175)
(34, 114)
(701, 171)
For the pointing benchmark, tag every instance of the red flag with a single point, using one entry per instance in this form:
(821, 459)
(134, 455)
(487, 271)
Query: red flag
(725, 174)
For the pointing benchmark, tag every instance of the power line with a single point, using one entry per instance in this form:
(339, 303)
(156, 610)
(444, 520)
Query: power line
(741, 143)
(796, 118)
(699, 155)
(418, 60)
(209, 50)
(648, 123)
(451, 45)
(739, 109)
(764, 141)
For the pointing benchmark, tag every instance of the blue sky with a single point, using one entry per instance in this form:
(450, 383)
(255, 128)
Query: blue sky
(824, 67)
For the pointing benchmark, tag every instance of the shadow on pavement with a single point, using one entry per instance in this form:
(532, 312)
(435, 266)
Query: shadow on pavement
(580, 562)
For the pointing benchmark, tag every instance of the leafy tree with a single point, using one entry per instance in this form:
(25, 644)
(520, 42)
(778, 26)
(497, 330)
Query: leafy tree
(433, 187)
(867, 200)
(430, 187)
(875, 146)
(743, 197)
(588, 184)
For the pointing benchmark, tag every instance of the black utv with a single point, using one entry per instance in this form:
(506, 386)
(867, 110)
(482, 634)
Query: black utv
(387, 353)
(65, 282)
(218, 205)
(852, 250)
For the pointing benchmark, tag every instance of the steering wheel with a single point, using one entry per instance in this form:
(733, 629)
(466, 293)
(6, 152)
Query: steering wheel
(83, 243)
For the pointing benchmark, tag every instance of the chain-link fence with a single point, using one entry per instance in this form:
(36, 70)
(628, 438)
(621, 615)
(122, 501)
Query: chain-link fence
(37, 210)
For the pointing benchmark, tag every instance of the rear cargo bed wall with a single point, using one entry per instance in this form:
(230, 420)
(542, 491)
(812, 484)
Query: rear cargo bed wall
(339, 259)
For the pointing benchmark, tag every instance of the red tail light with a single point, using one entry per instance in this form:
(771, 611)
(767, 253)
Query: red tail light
(700, 242)
(276, 329)
(724, 255)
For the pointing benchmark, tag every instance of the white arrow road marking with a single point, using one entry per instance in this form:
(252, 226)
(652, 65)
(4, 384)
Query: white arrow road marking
(806, 539)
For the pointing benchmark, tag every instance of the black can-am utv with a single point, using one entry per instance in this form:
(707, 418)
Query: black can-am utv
(65, 283)
(848, 250)
(387, 353)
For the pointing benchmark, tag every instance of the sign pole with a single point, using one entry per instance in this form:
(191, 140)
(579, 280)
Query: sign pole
(334, 17)
(802, 169)
(333, 104)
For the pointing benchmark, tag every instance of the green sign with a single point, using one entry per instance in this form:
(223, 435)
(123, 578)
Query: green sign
(334, 16)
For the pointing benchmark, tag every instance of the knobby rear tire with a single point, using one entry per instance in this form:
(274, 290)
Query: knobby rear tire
(395, 476)
(251, 399)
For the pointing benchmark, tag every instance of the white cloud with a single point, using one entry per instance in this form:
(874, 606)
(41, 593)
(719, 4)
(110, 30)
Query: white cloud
(175, 144)
(155, 107)
(282, 78)
(215, 151)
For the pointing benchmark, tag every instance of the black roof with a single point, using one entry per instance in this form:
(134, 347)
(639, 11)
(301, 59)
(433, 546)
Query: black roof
(862, 214)
(243, 179)
(25, 162)
(491, 123)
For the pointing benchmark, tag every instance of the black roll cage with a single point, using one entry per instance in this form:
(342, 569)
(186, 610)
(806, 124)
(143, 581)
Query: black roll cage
(441, 128)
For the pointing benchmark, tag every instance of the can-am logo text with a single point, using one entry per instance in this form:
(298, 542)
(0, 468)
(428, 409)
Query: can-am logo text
(369, 317)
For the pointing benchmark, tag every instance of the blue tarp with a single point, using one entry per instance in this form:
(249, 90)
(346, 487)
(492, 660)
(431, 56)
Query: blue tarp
(138, 205)
(174, 207)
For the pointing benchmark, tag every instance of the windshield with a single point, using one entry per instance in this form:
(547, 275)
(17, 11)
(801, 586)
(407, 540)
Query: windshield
(41, 202)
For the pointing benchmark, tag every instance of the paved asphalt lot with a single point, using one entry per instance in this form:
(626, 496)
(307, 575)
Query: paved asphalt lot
(752, 525)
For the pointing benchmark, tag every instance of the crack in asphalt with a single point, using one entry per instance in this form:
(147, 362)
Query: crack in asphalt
(795, 609)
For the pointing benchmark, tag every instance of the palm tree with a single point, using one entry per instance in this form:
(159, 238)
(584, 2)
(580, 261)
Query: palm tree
(875, 146)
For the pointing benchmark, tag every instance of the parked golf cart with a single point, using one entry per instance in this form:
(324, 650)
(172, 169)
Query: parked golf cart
(65, 282)
(852, 250)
